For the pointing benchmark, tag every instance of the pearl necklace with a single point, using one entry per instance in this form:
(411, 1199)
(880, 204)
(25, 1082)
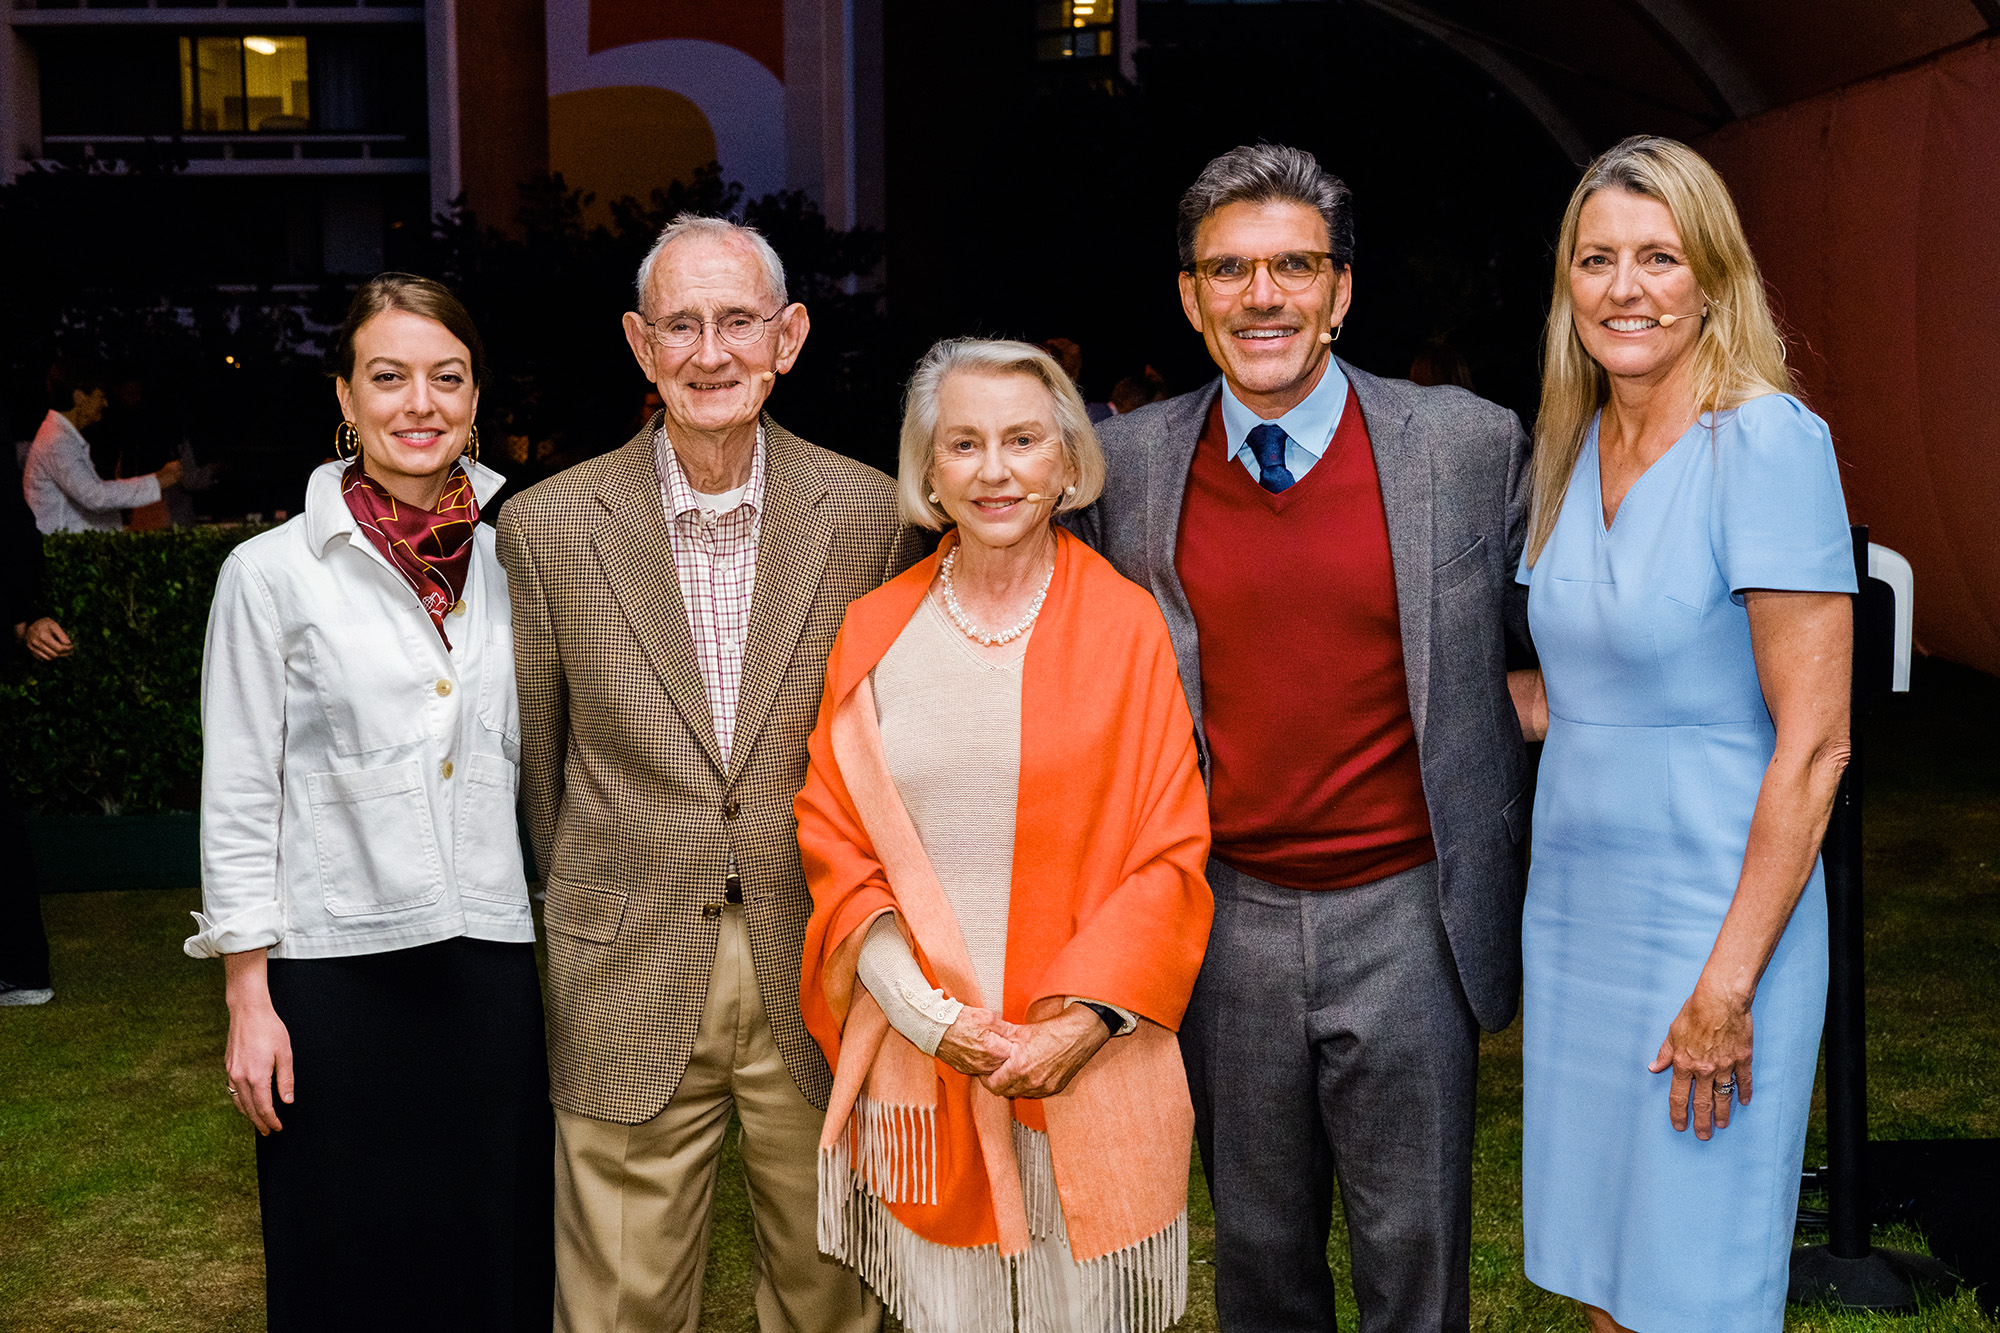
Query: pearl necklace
(964, 621)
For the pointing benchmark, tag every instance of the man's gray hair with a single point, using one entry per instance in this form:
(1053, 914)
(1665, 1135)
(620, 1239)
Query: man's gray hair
(1270, 173)
(694, 224)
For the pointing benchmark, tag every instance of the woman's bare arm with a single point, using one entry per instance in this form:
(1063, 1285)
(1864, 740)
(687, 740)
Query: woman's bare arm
(259, 1053)
(1804, 647)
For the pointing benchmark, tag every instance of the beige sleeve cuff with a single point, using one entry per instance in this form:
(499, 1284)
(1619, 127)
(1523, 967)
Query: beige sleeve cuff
(912, 1005)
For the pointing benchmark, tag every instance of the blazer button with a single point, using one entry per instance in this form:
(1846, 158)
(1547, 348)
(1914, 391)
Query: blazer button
(446, 770)
(731, 810)
(443, 688)
(713, 911)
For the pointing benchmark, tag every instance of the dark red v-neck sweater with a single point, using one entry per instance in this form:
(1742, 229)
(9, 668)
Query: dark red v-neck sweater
(1314, 781)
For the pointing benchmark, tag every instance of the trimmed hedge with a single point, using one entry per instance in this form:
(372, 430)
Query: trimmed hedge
(115, 728)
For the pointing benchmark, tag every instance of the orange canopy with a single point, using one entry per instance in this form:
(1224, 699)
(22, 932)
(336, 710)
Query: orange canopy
(1871, 210)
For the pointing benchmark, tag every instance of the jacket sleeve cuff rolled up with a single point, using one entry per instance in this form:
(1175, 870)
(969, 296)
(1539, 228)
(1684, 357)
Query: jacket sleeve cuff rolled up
(257, 927)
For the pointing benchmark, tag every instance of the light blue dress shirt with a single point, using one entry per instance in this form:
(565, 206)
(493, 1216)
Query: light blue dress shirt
(1308, 428)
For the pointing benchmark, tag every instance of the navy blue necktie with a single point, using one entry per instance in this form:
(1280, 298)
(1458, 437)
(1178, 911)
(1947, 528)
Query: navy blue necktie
(1268, 440)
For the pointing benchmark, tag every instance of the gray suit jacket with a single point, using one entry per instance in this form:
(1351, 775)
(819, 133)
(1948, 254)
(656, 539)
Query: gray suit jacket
(1454, 474)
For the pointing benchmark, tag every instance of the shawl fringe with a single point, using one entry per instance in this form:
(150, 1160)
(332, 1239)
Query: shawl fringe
(889, 1150)
(888, 1155)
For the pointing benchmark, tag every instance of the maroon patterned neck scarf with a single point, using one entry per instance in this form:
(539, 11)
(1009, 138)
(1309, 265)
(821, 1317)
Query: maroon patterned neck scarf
(432, 548)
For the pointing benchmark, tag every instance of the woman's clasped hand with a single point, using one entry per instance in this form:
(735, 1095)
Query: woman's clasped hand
(1022, 1059)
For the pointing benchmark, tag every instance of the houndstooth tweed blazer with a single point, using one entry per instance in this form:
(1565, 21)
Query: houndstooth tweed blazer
(632, 814)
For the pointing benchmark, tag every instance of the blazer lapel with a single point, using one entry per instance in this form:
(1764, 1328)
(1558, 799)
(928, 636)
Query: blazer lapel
(1167, 464)
(636, 549)
(1403, 468)
(792, 549)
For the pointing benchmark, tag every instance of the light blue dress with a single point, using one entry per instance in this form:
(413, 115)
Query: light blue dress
(1658, 740)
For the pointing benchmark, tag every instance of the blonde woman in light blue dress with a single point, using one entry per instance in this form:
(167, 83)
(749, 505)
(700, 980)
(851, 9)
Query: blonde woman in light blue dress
(1689, 570)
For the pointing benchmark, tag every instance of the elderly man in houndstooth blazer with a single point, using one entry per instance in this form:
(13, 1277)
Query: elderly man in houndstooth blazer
(674, 602)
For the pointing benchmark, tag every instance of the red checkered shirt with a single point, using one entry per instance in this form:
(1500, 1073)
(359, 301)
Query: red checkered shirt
(715, 558)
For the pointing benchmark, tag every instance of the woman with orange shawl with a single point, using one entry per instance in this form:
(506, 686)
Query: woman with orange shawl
(1005, 832)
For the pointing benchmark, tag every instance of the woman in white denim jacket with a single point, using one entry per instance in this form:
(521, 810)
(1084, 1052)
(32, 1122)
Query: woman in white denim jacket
(361, 871)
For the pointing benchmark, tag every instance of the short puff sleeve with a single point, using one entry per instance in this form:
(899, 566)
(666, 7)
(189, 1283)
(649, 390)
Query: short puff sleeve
(1779, 520)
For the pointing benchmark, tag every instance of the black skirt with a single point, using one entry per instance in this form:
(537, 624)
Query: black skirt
(412, 1186)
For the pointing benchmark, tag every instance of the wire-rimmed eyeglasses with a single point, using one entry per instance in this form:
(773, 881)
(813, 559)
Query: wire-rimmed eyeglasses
(1291, 270)
(738, 328)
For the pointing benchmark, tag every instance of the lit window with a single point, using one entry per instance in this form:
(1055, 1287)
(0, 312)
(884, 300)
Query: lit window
(1075, 29)
(244, 84)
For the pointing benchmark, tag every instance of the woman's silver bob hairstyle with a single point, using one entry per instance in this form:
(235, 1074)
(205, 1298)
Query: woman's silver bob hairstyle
(1083, 457)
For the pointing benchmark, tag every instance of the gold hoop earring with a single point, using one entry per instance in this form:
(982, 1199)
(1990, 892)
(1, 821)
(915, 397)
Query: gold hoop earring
(472, 445)
(346, 441)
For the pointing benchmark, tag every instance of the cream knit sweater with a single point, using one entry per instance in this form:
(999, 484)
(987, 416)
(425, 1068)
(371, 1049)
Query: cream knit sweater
(951, 730)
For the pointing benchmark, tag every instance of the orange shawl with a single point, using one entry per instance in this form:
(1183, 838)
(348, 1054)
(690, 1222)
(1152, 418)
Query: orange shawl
(1108, 901)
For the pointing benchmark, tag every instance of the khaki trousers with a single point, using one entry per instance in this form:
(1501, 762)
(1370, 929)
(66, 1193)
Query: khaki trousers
(633, 1201)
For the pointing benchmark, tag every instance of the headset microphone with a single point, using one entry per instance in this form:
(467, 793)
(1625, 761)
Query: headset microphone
(1668, 321)
(767, 375)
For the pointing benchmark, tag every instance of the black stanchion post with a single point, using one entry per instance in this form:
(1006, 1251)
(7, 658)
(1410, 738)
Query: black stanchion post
(1848, 1271)
(1846, 1029)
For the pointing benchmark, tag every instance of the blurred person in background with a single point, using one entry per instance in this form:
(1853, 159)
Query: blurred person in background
(61, 482)
(1069, 355)
(362, 877)
(1135, 391)
(136, 439)
(1438, 362)
(24, 946)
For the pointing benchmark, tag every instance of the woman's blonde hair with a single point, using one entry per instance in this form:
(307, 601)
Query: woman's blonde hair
(1083, 457)
(1738, 354)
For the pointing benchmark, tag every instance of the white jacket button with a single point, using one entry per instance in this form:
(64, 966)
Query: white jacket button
(446, 770)
(443, 688)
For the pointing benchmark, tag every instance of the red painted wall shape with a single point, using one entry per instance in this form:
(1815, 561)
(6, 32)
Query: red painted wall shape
(754, 27)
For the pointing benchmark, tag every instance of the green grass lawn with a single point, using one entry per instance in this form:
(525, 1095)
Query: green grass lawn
(128, 1192)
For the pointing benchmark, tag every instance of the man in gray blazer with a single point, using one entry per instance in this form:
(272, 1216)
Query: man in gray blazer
(1334, 554)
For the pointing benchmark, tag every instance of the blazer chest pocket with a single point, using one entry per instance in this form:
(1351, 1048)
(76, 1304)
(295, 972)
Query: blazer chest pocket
(376, 844)
(1465, 565)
